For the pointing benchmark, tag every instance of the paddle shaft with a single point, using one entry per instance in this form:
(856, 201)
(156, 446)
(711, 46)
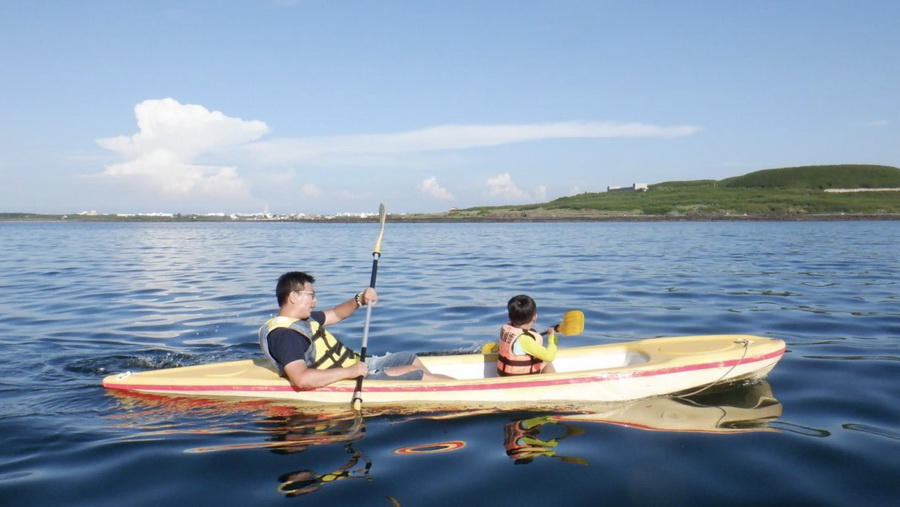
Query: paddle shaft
(356, 402)
(365, 339)
(572, 321)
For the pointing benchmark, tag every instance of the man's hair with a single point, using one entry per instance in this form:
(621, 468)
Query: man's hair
(289, 282)
(521, 309)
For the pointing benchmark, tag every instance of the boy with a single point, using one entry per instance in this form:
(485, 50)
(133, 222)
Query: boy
(522, 350)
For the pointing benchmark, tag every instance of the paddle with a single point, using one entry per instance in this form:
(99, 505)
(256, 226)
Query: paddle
(572, 323)
(356, 402)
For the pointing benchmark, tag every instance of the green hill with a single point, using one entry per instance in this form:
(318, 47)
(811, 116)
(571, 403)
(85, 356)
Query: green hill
(820, 177)
(772, 193)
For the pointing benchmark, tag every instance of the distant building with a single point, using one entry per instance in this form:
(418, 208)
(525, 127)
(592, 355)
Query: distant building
(635, 187)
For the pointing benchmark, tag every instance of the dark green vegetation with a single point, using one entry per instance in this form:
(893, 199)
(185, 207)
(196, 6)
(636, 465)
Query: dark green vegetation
(820, 177)
(788, 193)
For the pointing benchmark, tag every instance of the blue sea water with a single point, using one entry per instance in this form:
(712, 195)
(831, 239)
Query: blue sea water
(79, 301)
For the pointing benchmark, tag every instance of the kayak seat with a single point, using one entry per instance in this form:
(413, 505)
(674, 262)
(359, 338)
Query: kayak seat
(612, 359)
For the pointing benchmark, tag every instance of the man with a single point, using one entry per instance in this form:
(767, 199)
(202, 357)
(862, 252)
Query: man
(296, 342)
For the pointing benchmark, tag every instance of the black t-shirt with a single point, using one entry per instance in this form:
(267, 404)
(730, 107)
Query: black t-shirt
(287, 345)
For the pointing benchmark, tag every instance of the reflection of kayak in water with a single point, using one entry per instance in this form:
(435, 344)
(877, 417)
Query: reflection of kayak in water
(529, 434)
(614, 372)
(748, 408)
(736, 410)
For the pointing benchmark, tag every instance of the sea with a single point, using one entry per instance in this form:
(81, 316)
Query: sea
(80, 301)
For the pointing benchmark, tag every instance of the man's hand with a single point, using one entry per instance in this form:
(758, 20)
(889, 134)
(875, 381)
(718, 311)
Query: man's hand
(368, 296)
(359, 369)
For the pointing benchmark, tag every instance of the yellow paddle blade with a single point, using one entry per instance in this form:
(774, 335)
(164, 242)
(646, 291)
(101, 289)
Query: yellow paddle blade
(568, 459)
(490, 348)
(382, 214)
(572, 323)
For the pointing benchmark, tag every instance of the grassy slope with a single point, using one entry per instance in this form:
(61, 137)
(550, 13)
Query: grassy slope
(795, 190)
(820, 177)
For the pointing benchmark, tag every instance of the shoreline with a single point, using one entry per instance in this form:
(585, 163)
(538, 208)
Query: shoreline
(660, 218)
(517, 217)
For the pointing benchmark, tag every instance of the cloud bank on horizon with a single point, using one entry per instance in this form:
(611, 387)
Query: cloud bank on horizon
(187, 151)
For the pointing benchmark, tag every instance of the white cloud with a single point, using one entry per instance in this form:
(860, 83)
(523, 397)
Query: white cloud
(311, 191)
(431, 187)
(448, 137)
(879, 123)
(188, 151)
(171, 138)
(503, 186)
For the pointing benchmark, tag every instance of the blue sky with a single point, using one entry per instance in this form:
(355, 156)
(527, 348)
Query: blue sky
(327, 106)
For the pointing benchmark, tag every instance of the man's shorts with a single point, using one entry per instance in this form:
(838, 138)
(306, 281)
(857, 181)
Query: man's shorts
(377, 365)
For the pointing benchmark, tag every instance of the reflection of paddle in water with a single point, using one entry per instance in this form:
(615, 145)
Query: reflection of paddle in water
(301, 431)
(298, 432)
(302, 482)
(523, 443)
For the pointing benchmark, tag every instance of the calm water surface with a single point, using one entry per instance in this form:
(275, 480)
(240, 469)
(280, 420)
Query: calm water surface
(79, 301)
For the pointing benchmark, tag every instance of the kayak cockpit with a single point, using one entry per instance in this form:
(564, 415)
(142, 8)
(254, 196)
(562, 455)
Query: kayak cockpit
(481, 366)
(608, 359)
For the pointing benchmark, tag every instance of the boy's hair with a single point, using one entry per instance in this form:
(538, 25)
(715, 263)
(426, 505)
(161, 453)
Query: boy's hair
(521, 309)
(289, 282)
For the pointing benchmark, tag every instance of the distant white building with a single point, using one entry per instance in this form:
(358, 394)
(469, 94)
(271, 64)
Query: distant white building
(635, 187)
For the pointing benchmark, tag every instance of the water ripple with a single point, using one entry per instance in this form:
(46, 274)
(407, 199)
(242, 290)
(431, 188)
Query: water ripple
(80, 301)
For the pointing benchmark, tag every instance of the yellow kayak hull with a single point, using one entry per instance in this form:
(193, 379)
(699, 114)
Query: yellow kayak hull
(600, 373)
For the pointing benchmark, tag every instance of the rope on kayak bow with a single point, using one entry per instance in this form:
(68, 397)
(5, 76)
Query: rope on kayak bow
(741, 341)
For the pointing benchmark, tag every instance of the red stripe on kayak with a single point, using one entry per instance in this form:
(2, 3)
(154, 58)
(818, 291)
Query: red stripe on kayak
(526, 382)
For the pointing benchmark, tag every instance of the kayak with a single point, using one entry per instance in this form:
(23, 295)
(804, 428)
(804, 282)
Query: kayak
(599, 373)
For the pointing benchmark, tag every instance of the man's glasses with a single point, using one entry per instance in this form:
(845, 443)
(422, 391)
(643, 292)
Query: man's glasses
(311, 292)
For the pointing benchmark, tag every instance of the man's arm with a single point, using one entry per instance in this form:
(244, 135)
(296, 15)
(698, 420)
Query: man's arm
(303, 377)
(347, 308)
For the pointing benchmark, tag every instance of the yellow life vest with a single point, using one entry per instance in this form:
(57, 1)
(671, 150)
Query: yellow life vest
(509, 363)
(325, 351)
